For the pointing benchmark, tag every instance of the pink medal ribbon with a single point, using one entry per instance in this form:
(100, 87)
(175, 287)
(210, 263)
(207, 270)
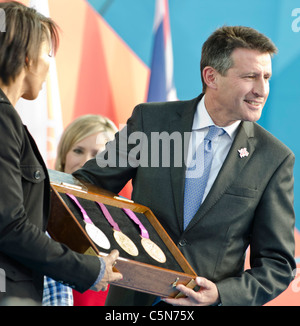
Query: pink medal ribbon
(124, 242)
(94, 232)
(150, 247)
(144, 232)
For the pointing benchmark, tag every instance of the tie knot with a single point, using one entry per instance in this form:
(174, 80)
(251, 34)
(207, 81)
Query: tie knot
(214, 132)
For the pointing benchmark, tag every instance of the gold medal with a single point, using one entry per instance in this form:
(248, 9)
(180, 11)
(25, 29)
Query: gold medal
(150, 247)
(123, 241)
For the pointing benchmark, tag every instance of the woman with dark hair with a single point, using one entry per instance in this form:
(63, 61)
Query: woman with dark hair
(26, 252)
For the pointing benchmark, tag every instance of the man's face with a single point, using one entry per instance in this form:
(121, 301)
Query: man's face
(242, 93)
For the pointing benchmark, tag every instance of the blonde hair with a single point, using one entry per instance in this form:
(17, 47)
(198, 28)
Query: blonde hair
(79, 129)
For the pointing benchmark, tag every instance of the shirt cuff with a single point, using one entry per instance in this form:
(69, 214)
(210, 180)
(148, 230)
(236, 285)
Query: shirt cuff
(102, 271)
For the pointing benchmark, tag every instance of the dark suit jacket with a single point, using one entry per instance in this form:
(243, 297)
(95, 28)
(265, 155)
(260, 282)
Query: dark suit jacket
(26, 252)
(250, 203)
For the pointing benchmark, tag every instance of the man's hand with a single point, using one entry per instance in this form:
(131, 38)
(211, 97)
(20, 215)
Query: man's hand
(206, 296)
(110, 275)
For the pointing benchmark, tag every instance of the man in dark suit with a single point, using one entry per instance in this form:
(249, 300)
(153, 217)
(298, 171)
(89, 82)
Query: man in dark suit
(248, 197)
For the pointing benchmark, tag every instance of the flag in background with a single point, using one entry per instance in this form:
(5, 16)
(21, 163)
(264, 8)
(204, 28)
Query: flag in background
(43, 116)
(161, 86)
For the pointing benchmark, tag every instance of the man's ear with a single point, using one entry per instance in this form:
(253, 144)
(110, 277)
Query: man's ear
(210, 77)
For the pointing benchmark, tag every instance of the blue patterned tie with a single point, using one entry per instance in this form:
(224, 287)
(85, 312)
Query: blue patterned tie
(197, 175)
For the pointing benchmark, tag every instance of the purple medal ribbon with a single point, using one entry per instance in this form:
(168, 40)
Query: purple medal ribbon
(109, 218)
(122, 239)
(144, 232)
(84, 213)
(151, 248)
(93, 231)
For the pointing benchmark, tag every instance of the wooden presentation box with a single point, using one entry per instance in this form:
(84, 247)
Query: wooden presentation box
(142, 272)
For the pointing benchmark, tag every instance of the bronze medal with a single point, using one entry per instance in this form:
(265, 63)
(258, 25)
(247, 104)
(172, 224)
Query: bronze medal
(153, 250)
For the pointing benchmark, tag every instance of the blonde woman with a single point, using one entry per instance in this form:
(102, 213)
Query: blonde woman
(81, 141)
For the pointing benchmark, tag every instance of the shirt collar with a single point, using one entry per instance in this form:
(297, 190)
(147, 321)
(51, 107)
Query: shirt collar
(203, 120)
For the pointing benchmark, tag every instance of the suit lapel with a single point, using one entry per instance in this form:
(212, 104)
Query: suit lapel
(182, 123)
(230, 170)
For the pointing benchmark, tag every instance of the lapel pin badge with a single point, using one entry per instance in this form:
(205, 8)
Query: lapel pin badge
(243, 152)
